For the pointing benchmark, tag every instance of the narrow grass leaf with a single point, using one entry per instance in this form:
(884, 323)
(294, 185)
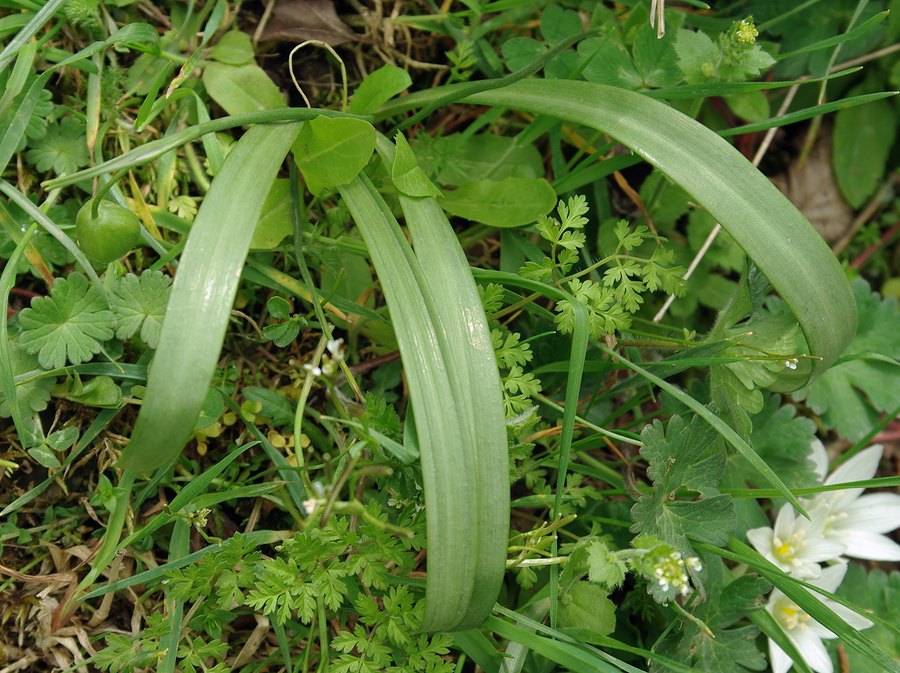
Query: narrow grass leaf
(7, 384)
(202, 295)
(28, 31)
(859, 31)
(806, 113)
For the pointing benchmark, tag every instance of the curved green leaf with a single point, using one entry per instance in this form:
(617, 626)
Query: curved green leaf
(202, 295)
(455, 309)
(447, 471)
(774, 234)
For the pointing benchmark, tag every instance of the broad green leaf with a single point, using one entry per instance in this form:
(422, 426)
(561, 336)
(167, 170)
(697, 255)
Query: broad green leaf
(377, 88)
(63, 149)
(775, 235)
(751, 106)
(558, 23)
(139, 304)
(244, 88)
(331, 152)
(406, 175)
(100, 391)
(586, 612)
(466, 343)
(275, 221)
(866, 381)
(698, 56)
(511, 202)
(609, 63)
(863, 137)
(654, 58)
(448, 475)
(234, 48)
(518, 52)
(782, 438)
(202, 294)
(33, 395)
(455, 159)
(456, 394)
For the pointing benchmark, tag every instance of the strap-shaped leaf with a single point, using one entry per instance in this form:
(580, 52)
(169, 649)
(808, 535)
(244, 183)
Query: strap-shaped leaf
(773, 233)
(447, 469)
(455, 308)
(202, 295)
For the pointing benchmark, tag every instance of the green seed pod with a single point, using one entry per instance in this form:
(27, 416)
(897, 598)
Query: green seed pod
(110, 235)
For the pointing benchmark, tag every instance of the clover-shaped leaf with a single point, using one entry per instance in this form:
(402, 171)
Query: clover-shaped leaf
(70, 324)
(139, 303)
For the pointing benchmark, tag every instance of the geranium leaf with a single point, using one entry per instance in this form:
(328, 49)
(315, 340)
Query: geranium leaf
(851, 393)
(683, 457)
(63, 149)
(139, 303)
(69, 325)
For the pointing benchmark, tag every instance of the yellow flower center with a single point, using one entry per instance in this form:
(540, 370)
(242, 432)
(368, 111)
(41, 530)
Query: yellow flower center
(790, 616)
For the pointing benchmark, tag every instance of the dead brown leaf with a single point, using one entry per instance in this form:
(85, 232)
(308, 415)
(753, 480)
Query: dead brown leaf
(299, 20)
(812, 188)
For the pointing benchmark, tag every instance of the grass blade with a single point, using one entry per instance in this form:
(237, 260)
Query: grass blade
(202, 295)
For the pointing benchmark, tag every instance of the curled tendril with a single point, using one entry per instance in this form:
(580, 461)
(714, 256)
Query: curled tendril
(340, 61)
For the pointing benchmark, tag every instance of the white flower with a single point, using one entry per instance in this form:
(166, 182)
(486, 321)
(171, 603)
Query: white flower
(806, 633)
(796, 545)
(858, 521)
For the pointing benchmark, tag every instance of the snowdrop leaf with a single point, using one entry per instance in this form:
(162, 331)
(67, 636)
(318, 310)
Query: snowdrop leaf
(684, 457)
(69, 325)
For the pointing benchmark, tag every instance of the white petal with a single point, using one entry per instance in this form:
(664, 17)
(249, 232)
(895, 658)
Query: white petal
(784, 522)
(812, 650)
(871, 546)
(819, 457)
(862, 466)
(780, 662)
(875, 513)
(761, 539)
(831, 577)
(822, 550)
